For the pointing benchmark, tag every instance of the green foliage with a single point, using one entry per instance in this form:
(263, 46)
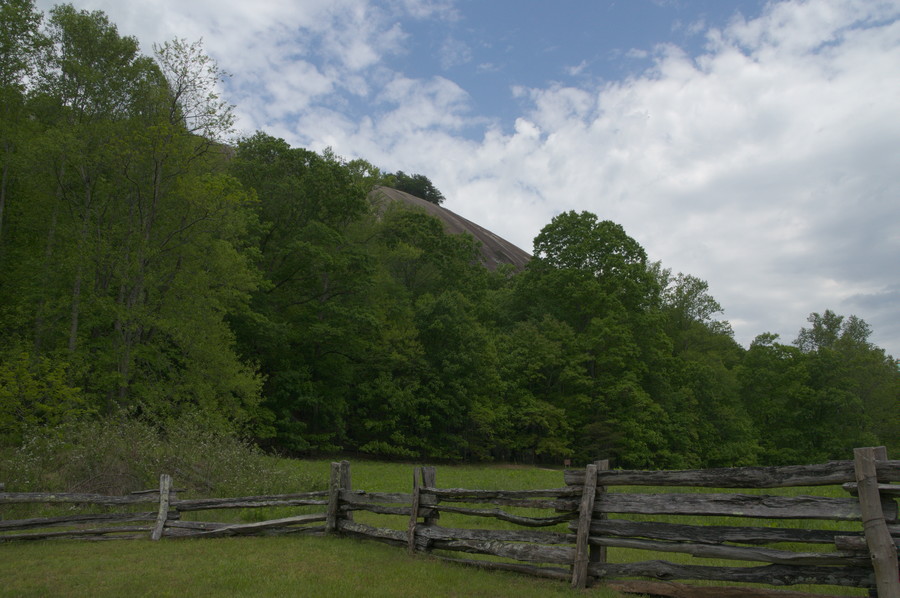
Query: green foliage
(192, 79)
(416, 184)
(808, 407)
(20, 45)
(125, 250)
(35, 393)
(311, 322)
(20, 40)
(121, 453)
(601, 249)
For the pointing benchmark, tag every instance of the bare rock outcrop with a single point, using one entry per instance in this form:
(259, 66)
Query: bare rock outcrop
(494, 249)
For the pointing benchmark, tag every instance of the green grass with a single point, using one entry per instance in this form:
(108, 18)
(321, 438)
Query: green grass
(381, 476)
(259, 567)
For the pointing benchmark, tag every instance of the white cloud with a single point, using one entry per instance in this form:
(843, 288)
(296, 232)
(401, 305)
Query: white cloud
(454, 52)
(576, 70)
(637, 53)
(425, 9)
(419, 105)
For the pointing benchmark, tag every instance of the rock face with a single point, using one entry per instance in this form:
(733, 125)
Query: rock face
(495, 250)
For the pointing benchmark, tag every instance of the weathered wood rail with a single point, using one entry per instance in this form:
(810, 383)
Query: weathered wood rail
(863, 556)
(593, 513)
(573, 532)
(164, 522)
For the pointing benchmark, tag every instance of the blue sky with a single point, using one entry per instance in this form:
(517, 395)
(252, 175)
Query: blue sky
(491, 47)
(755, 145)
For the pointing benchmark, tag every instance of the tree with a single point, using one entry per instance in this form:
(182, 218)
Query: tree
(824, 333)
(193, 79)
(703, 398)
(807, 406)
(591, 275)
(417, 184)
(417, 252)
(844, 361)
(581, 242)
(311, 323)
(602, 249)
(130, 251)
(20, 43)
(544, 381)
(92, 75)
(461, 372)
(34, 393)
(686, 300)
(365, 174)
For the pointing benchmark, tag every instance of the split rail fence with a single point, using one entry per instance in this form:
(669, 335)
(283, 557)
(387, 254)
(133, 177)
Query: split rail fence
(570, 532)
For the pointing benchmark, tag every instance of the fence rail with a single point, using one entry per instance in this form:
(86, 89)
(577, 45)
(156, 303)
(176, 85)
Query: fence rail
(165, 521)
(566, 532)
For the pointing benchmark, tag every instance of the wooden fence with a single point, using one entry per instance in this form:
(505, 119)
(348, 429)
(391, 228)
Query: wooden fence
(565, 533)
(863, 556)
(164, 521)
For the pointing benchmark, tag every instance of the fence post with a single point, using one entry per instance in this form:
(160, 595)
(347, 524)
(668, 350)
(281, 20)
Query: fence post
(585, 513)
(413, 513)
(882, 549)
(429, 480)
(165, 485)
(598, 553)
(334, 498)
(347, 485)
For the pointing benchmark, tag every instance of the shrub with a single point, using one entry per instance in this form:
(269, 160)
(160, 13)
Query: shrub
(120, 454)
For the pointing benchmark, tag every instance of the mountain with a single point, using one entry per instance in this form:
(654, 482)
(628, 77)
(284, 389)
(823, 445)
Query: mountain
(495, 250)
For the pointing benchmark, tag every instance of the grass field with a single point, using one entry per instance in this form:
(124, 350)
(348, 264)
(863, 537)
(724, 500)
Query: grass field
(259, 567)
(308, 566)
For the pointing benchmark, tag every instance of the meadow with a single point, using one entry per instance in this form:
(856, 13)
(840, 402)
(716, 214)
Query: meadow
(259, 567)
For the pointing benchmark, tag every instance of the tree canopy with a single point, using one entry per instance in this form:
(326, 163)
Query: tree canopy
(415, 184)
(152, 266)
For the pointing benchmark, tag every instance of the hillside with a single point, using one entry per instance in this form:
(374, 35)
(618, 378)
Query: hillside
(495, 250)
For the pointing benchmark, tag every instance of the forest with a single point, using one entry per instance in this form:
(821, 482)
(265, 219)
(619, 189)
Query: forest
(155, 265)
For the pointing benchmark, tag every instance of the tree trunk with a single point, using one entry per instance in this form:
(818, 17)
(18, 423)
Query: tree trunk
(79, 270)
(4, 178)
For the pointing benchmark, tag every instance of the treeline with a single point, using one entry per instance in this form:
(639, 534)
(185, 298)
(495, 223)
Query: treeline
(150, 265)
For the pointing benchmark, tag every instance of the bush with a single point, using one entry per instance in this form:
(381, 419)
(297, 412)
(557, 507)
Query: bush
(120, 454)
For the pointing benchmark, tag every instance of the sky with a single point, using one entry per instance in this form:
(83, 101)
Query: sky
(752, 144)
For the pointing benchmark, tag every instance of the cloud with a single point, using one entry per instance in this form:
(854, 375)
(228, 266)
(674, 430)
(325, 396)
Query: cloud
(576, 70)
(488, 67)
(454, 52)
